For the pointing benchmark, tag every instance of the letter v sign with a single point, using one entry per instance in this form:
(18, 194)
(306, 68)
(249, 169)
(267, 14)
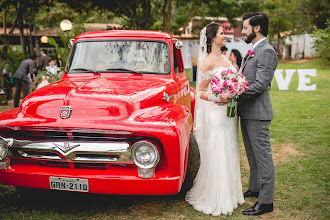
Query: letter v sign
(283, 84)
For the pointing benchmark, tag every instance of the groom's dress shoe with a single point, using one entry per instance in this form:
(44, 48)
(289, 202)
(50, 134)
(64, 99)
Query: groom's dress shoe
(258, 209)
(249, 193)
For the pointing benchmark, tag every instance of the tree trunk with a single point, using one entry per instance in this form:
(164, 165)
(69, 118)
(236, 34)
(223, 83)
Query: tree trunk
(11, 31)
(31, 46)
(5, 20)
(167, 12)
(164, 14)
(128, 12)
(21, 26)
(191, 15)
(36, 39)
(279, 52)
(148, 13)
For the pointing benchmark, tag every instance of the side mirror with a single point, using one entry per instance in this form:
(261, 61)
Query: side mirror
(70, 43)
(178, 43)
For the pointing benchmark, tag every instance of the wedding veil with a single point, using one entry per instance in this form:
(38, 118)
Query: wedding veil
(200, 109)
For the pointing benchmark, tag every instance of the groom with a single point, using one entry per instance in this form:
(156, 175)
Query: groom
(256, 112)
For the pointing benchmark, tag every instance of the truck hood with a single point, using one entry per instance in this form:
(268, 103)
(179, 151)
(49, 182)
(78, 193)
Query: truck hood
(96, 98)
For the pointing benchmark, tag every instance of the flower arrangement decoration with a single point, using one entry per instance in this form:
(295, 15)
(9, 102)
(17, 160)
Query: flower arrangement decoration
(251, 54)
(229, 85)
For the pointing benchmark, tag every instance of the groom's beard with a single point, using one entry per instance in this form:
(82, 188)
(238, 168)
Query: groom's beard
(250, 37)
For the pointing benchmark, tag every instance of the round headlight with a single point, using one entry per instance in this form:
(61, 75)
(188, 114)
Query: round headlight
(3, 149)
(145, 154)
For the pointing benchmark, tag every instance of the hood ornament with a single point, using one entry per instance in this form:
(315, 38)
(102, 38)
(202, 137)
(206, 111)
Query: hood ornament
(65, 112)
(167, 97)
(65, 147)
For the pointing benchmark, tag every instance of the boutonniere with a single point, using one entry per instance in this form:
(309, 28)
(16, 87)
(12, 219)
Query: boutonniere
(251, 54)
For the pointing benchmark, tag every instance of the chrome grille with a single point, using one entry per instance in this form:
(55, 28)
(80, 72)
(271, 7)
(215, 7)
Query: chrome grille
(66, 151)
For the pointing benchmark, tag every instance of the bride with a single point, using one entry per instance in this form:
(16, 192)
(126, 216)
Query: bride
(217, 187)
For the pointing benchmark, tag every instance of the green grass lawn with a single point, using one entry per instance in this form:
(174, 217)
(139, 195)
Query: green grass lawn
(300, 135)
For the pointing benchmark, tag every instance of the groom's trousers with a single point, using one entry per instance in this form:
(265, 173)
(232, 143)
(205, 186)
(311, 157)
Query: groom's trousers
(256, 137)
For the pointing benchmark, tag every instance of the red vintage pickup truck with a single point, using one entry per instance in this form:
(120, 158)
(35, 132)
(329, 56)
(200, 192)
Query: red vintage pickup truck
(118, 122)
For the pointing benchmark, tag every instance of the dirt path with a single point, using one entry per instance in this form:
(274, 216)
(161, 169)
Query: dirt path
(9, 106)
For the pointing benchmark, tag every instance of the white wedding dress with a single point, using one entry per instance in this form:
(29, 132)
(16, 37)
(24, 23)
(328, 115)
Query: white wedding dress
(217, 187)
(44, 82)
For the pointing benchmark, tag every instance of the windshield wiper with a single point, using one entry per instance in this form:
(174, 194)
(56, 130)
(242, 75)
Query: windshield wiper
(86, 70)
(125, 70)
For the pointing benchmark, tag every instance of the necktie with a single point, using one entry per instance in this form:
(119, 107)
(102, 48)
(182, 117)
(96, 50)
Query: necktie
(246, 56)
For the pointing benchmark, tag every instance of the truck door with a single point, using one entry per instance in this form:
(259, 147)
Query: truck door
(181, 79)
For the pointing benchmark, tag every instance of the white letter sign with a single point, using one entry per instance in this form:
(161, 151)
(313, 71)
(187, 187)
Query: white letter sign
(303, 80)
(283, 84)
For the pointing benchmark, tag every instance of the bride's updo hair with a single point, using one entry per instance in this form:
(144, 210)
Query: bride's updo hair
(211, 32)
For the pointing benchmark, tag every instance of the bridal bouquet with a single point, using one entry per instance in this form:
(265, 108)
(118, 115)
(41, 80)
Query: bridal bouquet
(229, 85)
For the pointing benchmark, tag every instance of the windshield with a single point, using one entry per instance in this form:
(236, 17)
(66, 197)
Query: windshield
(138, 56)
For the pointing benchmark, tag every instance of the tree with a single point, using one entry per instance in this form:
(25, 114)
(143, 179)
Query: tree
(317, 11)
(51, 16)
(78, 24)
(322, 44)
(138, 14)
(214, 8)
(167, 14)
(280, 13)
(295, 16)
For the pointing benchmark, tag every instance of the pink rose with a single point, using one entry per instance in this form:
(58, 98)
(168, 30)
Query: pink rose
(233, 93)
(233, 79)
(226, 94)
(240, 75)
(236, 86)
(214, 89)
(214, 79)
(229, 71)
(230, 87)
(241, 90)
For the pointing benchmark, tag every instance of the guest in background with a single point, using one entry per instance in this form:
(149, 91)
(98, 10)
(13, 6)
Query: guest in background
(6, 83)
(43, 81)
(235, 58)
(58, 60)
(23, 78)
(224, 50)
(52, 68)
(43, 60)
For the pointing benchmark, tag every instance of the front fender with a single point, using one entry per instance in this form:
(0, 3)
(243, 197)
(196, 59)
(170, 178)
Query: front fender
(174, 123)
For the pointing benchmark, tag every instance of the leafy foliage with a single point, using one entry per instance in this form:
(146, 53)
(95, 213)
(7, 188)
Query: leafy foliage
(66, 36)
(138, 14)
(12, 57)
(52, 16)
(322, 44)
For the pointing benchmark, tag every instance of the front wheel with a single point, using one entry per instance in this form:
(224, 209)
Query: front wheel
(192, 165)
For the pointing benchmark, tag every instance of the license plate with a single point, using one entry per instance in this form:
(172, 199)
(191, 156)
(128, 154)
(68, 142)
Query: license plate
(68, 184)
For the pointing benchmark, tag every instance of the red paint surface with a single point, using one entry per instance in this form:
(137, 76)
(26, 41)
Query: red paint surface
(125, 103)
